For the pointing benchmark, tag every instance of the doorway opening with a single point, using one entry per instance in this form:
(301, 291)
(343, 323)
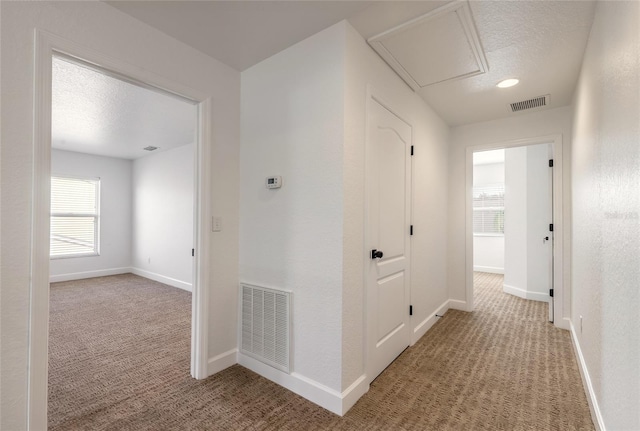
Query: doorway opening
(47, 47)
(122, 231)
(512, 218)
(514, 225)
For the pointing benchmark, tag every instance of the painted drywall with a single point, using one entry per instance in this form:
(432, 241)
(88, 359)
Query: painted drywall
(115, 215)
(536, 124)
(163, 216)
(366, 71)
(291, 237)
(304, 117)
(515, 220)
(606, 202)
(92, 24)
(488, 250)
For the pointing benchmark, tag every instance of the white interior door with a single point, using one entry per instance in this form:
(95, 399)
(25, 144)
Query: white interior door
(540, 216)
(389, 192)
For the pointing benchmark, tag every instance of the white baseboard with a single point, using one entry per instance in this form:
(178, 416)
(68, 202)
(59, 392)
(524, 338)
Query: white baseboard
(489, 269)
(427, 323)
(222, 361)
(330, 399)
(162, 279)
(458, 305)
(596, 415)
(88, 274)
(524, 294)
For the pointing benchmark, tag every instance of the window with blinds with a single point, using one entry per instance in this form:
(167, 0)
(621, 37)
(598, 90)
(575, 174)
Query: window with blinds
(74, 216)
(488, 209)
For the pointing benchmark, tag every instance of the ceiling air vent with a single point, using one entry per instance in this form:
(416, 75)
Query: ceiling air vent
(536, 102)
(150, 148)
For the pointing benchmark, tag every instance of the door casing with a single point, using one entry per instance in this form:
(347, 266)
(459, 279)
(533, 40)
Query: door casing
(559, 319)
(46, 46)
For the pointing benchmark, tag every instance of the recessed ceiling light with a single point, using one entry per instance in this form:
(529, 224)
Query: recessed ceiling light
(507, 83)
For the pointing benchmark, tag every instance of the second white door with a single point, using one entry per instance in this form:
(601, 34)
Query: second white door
(389, 210)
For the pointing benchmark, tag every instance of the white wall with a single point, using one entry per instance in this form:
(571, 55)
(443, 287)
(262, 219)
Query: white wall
(304, 117)
(606, 202)
(115, 215)
(531, 125)
(92, 24)
(163, 216)
(488, 250)
(291, 238)
(515, 220)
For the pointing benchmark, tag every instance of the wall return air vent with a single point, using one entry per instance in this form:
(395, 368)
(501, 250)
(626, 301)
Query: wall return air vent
(266, 320)
(536, 102)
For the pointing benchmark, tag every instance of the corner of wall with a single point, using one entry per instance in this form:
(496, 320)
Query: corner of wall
(596, 414)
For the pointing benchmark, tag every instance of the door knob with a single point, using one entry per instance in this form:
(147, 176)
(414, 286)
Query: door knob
(545, 239)
(376, 254)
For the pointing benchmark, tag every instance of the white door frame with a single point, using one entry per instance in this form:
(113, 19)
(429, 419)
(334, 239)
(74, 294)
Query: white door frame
(373, 95)
(46, 45)
(558, 228)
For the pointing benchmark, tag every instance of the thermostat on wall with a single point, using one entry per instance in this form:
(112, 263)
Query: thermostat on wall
(274, 182)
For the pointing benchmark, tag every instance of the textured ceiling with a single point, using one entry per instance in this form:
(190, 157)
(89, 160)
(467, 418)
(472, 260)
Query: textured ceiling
(240, 33)
(539, 42)
(97, 114)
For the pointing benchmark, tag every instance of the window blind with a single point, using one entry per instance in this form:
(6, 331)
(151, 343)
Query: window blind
(74, 216)
(488, 209)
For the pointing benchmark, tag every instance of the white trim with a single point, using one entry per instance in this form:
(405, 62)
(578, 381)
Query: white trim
(38, 369)
(596, 414)
(222, 361)
(489, 269)
(525, 294)
(162, 279)
(352, 394)
(330, 399)
(558, 222)
(202, 241)
(462, 10)
(89, 274)
(455, 304)
(46, 45)
(427, 323)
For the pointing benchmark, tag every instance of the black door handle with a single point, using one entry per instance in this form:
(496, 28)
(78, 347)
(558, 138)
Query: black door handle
(376, 254)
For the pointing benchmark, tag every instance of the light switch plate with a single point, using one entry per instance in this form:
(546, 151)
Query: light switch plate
(216, 224)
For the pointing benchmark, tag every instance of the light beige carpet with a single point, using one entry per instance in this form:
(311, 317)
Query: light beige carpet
(119, 360)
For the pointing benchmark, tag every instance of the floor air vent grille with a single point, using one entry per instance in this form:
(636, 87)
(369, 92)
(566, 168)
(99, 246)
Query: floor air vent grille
(529, 104)
(265, 325)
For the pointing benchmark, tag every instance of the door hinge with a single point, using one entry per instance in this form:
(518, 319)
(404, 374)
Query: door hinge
(411, 310)
(193, 252)
(411, 230)
(551, 227)
(412, 150)
(551, 293)
(551, 163)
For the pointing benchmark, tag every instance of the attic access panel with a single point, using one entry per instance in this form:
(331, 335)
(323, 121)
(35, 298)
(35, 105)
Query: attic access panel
(439, 46)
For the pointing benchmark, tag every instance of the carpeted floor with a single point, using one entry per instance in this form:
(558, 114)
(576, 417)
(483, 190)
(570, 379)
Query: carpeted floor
(119, 360)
